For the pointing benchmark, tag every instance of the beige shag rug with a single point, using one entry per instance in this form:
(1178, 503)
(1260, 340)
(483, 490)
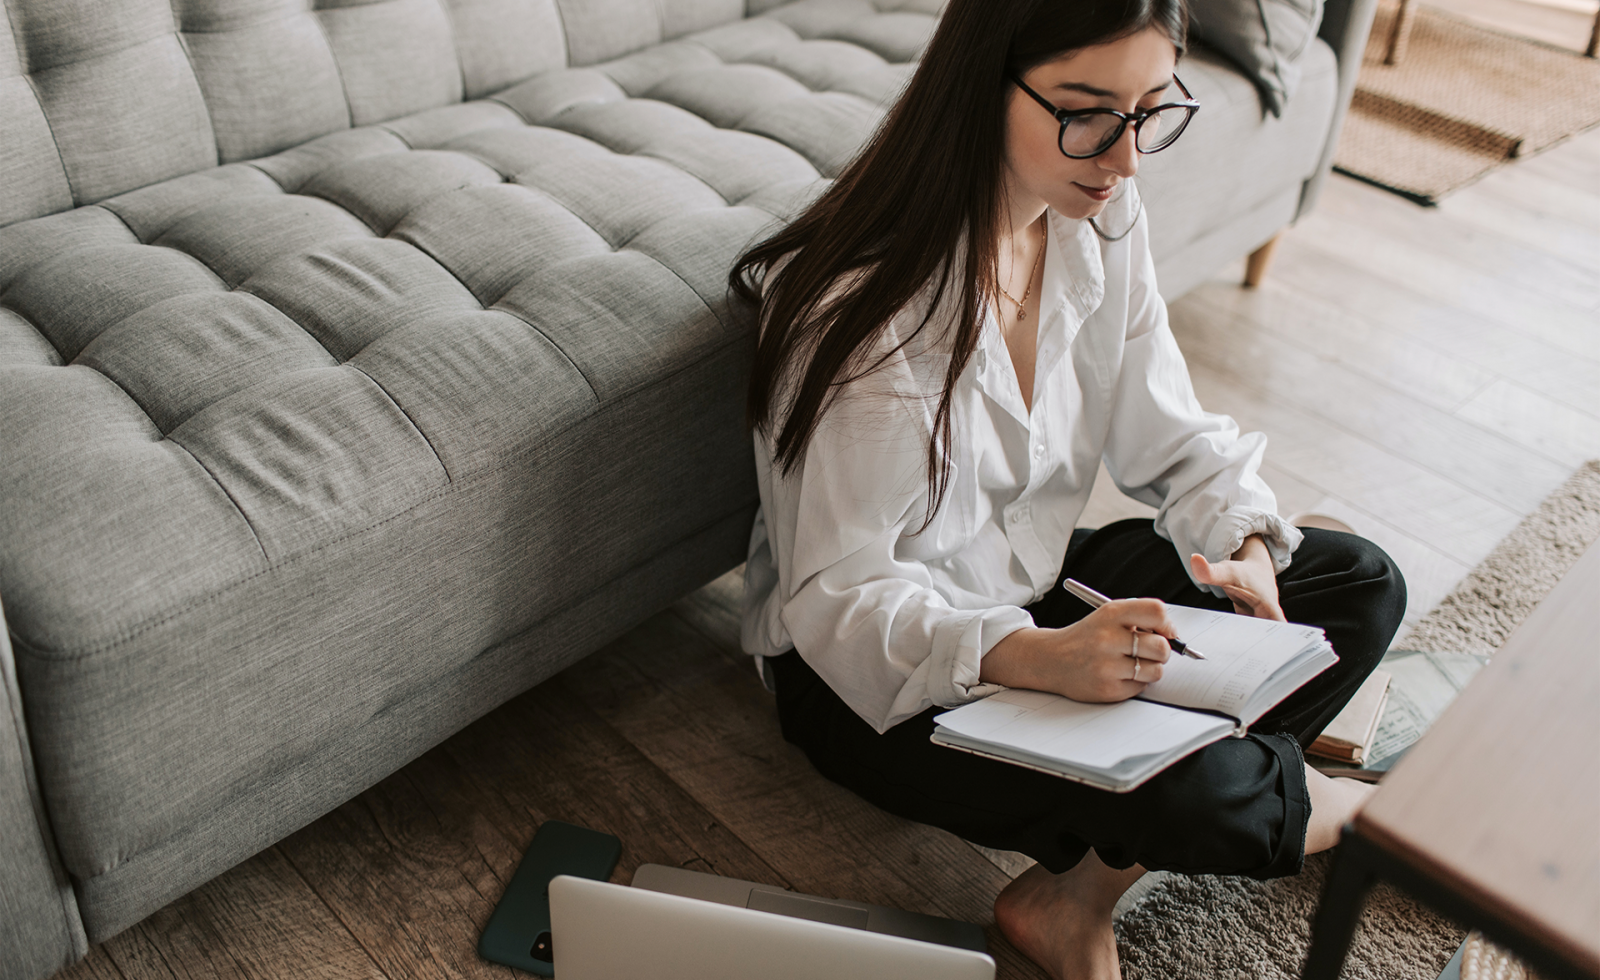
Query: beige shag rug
(1224, 928)
(1480, 613)
(1463, 101)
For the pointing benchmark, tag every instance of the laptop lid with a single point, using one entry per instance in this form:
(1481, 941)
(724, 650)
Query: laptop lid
(612, 932)
(839, 911)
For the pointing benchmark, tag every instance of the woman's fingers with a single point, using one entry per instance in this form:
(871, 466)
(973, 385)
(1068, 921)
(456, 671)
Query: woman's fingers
(1149, 615)
(1149, 648)
(1115, 639)
(1137, 659)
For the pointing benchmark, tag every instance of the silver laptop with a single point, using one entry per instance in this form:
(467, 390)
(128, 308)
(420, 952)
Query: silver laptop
(675, 924)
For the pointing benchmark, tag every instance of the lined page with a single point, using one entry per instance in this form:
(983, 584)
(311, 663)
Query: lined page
(1241, 653)
(1093, 735)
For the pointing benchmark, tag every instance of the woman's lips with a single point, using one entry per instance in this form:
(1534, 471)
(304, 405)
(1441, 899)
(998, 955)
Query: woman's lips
(1095, 193)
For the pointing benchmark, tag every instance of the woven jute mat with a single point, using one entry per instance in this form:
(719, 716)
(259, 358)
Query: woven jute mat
(1212, 927)
(1463, 101)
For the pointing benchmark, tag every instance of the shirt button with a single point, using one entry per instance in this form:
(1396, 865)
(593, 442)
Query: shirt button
(1038, 452)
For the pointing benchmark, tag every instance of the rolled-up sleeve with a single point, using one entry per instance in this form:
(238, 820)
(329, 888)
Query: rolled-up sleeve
(1194, 466)
(869, 621)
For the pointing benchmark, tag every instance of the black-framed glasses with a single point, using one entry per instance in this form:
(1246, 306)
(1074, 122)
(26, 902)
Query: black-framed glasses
(1088, 133)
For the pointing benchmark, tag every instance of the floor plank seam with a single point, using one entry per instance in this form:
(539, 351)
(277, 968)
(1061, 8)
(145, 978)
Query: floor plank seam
(349, 929)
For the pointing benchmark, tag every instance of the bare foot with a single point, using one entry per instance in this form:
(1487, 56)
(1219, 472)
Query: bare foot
(1334, 802)
(1063, 922)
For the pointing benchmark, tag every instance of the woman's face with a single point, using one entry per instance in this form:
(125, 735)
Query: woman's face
(1132, 73)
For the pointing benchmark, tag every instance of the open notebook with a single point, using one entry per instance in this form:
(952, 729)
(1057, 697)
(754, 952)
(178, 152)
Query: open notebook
(1251, 665)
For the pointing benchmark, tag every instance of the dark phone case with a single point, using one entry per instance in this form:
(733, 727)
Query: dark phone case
(518, 933)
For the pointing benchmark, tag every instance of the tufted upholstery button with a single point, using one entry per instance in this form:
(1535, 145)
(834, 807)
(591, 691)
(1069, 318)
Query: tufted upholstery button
(76, 295)
(622, 317)
(729, 95)
(700, 249)
(597, 238)
(894, 36)
(639, 72)
(293, 167)
(619, 196)
(235, 238)
(20, 343)
(481, 236)
(301, 453)
(819, 65)
(482, 387)
(740, 38)
(26, 246)
(150, 211)
(381, 190)
(352, 292)
(544, 97)
(433, 128)
(337, 426)
(182, 354)
(160, 505)
(830, 125)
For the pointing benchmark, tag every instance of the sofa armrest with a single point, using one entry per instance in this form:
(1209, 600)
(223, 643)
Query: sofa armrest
(40, 931)
(1345, 26)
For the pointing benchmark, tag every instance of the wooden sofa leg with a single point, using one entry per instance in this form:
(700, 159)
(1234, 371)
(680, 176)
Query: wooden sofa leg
(1255, 267)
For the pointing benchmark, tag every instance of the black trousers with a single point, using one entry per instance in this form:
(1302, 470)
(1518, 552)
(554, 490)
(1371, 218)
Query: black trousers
(1238, 806)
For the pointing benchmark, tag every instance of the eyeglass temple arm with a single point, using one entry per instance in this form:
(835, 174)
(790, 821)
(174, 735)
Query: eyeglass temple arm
(1185, 90)
(1019, 83)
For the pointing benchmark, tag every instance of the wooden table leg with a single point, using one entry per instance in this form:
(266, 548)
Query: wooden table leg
(1594, 35)
(1399, 33)
(1349, 880)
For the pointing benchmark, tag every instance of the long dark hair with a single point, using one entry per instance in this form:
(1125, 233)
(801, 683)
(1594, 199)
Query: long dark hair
(896, 219)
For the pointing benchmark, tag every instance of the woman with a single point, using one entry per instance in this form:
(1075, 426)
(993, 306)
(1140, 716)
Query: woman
(953, 336)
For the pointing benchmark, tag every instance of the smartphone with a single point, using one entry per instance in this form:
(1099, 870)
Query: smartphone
(518, 933)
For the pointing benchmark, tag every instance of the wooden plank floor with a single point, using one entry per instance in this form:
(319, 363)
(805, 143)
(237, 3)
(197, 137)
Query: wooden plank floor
(1426, 375)
(1563, 23)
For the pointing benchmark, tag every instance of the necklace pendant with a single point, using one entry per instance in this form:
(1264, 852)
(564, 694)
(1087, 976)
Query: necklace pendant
(1022, 315)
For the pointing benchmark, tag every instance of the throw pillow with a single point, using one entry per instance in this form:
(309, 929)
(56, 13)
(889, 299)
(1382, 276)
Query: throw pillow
(1264, 37)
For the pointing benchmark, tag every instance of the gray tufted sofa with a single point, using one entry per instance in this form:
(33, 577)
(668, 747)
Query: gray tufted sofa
(364, 362)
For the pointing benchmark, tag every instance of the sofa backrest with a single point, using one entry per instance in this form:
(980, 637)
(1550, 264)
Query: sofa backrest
(101, 96)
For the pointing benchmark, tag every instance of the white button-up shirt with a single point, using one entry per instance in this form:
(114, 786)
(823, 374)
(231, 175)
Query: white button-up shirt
(895, 620)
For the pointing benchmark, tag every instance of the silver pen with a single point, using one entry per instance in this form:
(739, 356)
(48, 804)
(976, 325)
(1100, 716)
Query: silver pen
(1097, 600)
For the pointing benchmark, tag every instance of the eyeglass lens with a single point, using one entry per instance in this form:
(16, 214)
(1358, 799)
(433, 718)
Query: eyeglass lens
(1084, 136)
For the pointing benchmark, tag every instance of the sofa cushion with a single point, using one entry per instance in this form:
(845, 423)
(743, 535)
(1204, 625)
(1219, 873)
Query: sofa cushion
(292, 440)
(1233, 157)
(98, 97)
(1265, 38)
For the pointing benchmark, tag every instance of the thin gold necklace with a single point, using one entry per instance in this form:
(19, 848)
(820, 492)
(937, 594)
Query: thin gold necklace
(1022, 310)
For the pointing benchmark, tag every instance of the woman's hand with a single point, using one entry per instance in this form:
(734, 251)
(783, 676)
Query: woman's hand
(1089, 660)
(1248, 579)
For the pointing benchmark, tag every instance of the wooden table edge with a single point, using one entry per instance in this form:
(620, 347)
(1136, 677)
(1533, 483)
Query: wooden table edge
(1485, 903)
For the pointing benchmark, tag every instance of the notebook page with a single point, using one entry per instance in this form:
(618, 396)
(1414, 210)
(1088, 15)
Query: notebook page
(1241, 653)
(1093, 735)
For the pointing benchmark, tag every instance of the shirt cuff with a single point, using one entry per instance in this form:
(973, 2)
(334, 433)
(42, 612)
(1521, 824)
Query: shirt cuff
(953, 672)
(1228, 536)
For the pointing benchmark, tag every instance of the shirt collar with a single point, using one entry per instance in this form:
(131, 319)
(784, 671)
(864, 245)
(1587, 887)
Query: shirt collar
(1073, 287)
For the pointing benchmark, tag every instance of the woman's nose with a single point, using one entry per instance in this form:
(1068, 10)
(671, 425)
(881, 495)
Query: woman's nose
(1122, 157)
